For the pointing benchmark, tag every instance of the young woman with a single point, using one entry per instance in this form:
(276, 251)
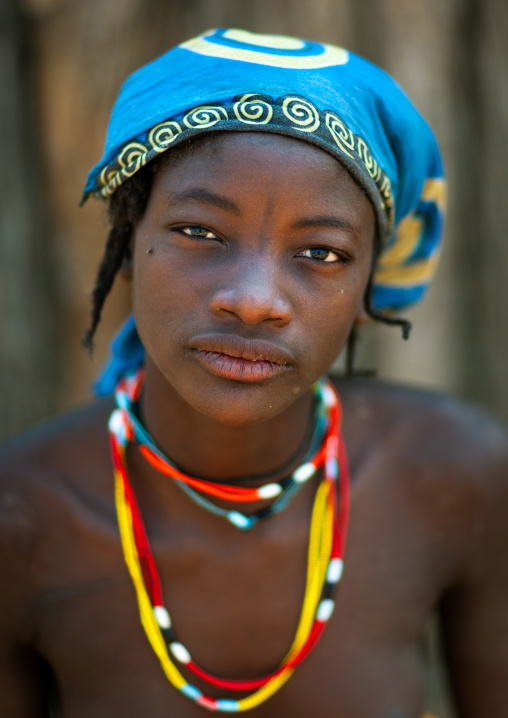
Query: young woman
(183, 547)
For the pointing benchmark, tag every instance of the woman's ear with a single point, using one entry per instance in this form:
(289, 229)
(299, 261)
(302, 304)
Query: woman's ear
(362, 317)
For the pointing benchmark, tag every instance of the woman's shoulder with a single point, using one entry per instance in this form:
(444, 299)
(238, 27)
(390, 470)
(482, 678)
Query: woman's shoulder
(421, 417)
(47, 470)
(425, 424)
(445, 457)
(59, 443)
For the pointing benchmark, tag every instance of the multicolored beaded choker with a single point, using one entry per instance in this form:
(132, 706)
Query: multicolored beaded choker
(125, 424)
(324, 569)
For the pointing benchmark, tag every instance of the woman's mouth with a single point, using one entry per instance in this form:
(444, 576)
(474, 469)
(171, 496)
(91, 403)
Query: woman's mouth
(232, 357)
(239, 369)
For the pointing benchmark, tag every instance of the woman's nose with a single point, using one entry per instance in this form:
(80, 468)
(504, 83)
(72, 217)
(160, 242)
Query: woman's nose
(253, 294)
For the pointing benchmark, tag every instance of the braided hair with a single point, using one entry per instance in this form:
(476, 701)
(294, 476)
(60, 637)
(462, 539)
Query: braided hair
(126, 207)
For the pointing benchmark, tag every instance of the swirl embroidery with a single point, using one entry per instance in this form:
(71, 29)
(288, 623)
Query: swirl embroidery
(340, 133)
(291, 113)
(304, 115)
(107, 174)
(385, 189)
(130, 154)
(205, 116)
(113, 184)
(253, 110)
(162, 135)
(367, 159)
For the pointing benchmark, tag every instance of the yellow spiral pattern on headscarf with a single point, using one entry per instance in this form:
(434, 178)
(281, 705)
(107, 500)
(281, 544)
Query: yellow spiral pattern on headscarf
(257, 110)
(342, 135)
(205, 116)
(301, 113)
(132, 158)
(252, 110)
(163, 134)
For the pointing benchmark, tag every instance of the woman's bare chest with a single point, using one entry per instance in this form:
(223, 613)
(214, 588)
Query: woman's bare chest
(235, 605)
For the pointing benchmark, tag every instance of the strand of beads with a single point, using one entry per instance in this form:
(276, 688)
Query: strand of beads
(126, 421)
(324, 569)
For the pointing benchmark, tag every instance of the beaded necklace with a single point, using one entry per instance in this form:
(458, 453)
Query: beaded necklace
(128, 425)
(324, 569)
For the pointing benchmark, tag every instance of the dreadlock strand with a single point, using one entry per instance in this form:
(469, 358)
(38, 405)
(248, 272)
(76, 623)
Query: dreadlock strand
(378, 316)
(404, 324)
(116, 250)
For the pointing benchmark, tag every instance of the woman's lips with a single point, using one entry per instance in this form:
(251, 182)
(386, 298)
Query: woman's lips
(232, 357)
(239, 369)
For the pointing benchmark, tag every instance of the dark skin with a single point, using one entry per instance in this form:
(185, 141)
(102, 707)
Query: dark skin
(428, 475)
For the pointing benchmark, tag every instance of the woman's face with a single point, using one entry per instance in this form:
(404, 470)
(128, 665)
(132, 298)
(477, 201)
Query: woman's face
(250, 264)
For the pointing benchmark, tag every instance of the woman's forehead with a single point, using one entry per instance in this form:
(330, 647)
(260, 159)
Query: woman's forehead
(267, 149)
(292, 183)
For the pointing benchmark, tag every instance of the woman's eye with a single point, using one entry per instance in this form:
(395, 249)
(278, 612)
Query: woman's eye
(321, 254)
(198, 232)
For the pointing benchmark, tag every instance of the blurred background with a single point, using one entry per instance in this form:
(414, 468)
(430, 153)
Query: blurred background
(61, 65)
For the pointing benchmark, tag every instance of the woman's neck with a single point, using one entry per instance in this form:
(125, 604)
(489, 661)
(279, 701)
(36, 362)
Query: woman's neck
(204, 447)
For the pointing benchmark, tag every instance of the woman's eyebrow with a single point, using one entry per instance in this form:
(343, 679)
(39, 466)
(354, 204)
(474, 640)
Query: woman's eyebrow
(335, 222)
(204, 196)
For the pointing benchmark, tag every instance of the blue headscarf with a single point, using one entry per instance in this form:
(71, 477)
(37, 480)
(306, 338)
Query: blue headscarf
(232, 80)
